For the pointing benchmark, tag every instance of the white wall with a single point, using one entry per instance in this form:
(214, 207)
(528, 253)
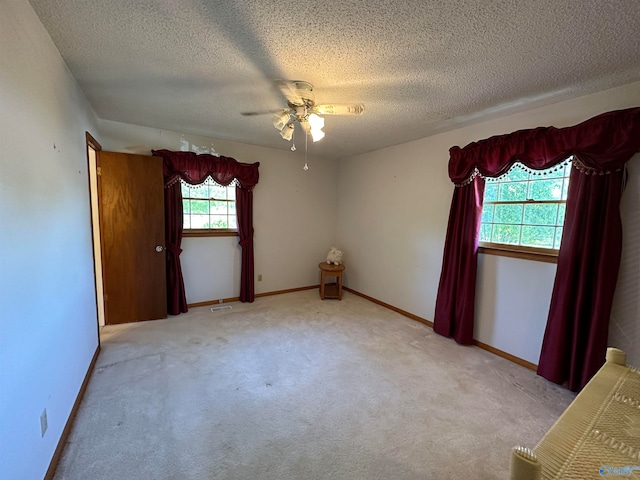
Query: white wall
(294, 214)
(513, 319)
(394, 207)
(624, 331)
(48, 320)
(391, 222)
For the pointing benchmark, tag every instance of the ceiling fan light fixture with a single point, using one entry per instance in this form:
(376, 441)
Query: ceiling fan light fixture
(316, 123)
(287, 131)
(280, 120)
(302, 109)
(317, 134)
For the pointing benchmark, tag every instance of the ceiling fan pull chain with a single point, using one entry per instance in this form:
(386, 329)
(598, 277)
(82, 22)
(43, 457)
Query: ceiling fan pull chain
(293, 138)
(306, 141)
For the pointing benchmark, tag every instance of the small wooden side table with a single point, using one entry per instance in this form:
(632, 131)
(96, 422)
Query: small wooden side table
(333, 290)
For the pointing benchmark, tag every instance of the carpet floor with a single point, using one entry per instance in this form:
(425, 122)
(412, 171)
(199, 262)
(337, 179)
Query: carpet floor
(292, 387)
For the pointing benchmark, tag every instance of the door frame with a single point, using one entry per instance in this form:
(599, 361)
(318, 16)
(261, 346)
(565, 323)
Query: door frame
(93, 147)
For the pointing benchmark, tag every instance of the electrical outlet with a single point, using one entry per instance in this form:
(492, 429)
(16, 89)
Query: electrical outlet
(259, 277)
(43, 422)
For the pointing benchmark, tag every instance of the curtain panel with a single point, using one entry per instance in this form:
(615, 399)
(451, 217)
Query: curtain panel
(589, 255)
(575, 339)
(173, 221)
(244, 208)
(195, 169)
(453, 310)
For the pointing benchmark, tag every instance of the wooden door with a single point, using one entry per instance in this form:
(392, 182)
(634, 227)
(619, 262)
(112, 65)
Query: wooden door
(132, 237)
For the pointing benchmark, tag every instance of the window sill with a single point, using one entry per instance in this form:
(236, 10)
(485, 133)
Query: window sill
(209, 233)
(514, 251)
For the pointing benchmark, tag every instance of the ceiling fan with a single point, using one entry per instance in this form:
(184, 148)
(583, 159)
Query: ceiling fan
(303, 109)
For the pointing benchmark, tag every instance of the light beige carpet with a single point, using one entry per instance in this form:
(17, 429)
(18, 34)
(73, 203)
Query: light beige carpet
(292, 387)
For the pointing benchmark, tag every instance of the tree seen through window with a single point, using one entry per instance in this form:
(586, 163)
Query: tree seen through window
(526, 208)
(209, 206)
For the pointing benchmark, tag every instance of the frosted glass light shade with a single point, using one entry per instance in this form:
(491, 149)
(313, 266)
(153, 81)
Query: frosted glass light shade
(317, 134)
(280, 120)
(287, 132)
(316, 123)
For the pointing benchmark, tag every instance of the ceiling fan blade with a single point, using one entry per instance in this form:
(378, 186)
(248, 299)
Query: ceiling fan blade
(339, 109)
(297, 92)
(263, 112)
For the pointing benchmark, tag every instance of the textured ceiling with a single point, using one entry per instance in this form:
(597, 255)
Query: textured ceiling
(419, 66)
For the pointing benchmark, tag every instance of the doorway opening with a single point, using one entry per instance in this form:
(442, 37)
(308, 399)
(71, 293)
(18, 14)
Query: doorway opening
(92, 159)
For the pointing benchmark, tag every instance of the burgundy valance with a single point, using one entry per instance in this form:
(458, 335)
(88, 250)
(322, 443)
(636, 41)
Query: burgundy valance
(603, 143)
(194, 169)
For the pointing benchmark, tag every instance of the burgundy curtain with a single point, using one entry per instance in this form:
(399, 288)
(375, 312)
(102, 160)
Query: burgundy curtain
(600, 146)
(194, 169)
(575, 339)
(457, 291)
(173, 221)
(244, 208)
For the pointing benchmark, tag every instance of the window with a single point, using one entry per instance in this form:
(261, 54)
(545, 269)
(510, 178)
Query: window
(209, 208)
(525, 208)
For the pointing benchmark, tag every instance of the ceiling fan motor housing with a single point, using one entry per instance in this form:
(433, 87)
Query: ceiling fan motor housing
(303, 92)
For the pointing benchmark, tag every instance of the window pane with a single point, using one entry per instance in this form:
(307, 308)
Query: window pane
(218, 208)
(565, 188)
(233, 222)
(510, 192)
(231, 192)
(186, 209)
(562, 208)
(219, 221)
(556, 244)
(201, 191)
(538, 236)
(487, 213)
(506, 234)
(199, 207)
(485, 233)
(516, 174)
(544, 214)
(508, 214)
(546, 189)
(186, 221)
(199, 221)
(232, 208)
(491, 192)
(218, 192)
